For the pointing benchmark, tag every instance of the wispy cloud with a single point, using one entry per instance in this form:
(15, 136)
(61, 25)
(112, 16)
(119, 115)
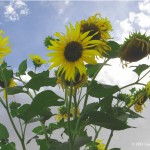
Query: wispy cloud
(16, 9)
(136, 21)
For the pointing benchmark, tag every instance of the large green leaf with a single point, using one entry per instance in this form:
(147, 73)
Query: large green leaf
(42, 101)
(92, 69)
(22, 68)
(9, 146)
(115, 49)
(38, 82)
(38, 130)
(139, 69)
(7, 74)
(44, 74)
(43, 144)
(107, 121)
(90, 107)
(79, 142)
(3, 132)
(15, 90)
(101, 90)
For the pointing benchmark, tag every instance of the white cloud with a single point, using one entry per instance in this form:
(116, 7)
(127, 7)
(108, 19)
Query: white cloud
(139, 21)
(15, 10)
(145, 6)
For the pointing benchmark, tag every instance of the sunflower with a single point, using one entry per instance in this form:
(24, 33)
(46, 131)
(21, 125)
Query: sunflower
(71, 51)
(11, 83)
(63, 113)
(135, 48)
(4, 46)
(148, 89)
(37, 60)
(100, 145)
(141, 97)
(102, 26)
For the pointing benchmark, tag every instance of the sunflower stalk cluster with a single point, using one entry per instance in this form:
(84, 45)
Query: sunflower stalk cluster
(67, 103)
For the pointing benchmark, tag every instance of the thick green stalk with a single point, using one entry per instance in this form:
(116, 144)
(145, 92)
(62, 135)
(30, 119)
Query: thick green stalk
(88, 86)
(9, 115)
(68, 119)
(109, 139)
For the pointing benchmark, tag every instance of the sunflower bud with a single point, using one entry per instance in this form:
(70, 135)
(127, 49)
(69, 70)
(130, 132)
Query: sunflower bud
(47, 41)
(135, 48)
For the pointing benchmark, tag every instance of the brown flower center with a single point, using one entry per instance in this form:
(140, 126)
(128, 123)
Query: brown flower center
(73, 51)
(93, 29)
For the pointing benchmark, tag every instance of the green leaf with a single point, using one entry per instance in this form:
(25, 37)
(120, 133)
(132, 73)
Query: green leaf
(22, 110)
(107, 121)
(88, 108)
(3, 132)
(15, 90)
(38, 130)
(22, 68)
(7, 74)
(42, 143)
(115, 49)
(38, 82)
(9, 146)
(92, 69)
(44, 74)
(43, 100)
(139, 69)
(133, 114)
(79, 142)
(101, 90)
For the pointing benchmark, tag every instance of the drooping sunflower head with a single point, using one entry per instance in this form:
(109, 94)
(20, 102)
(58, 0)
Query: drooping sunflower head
(148, 89)
(71, 51)
(11, 83)
(78, 82)
(37, 60)
(101, 26)
(5, 48)
(136, 47)
(96, 24)
(140, 98)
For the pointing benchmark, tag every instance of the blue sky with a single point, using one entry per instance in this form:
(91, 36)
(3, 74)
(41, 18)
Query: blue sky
(29, 22)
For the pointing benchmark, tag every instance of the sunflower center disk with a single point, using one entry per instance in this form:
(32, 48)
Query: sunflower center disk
(73, 51)
(93, 28)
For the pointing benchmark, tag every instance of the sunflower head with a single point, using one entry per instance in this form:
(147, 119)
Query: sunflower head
(71, 51)
(100, 28)
(78, 82)
(136, 47)
(140, 97)
(47, 41)
(63, 113)
(100, 145)
(37, 60)
(5, 48)
(148, 89)
(97, 24)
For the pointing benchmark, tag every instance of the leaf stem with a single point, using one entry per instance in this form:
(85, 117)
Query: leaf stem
(109, 139)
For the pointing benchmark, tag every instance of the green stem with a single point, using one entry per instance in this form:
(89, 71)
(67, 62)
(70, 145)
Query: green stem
(101, 66)
(9, 115)
(68, 119)
(45, 133)
(97, 133)
(109, 139)
(76, 105)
